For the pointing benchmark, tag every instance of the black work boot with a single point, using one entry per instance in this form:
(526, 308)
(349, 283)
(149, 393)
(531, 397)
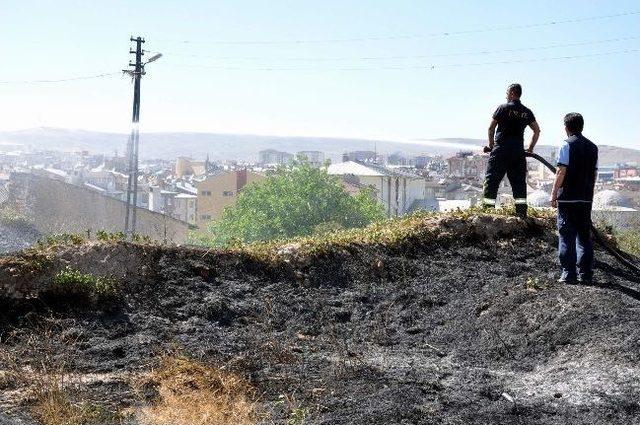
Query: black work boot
(521, 210)
(568, 278)
(587, 280)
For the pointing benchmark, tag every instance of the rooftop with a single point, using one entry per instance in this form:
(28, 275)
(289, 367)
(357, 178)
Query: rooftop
(355, 168)
(371, 170)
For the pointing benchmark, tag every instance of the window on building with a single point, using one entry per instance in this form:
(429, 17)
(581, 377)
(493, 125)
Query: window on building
(227, 193)
(205, 217)
(206, 193)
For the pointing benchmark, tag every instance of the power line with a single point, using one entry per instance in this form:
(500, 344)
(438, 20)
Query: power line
(423, 67)
(396, 57)
(377, 68)
(547, 59)
(62, 80)
(411, 36)
(427, 66)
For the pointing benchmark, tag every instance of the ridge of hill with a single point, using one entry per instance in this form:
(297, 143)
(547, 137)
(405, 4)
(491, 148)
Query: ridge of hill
(430, 319)
(169, 145)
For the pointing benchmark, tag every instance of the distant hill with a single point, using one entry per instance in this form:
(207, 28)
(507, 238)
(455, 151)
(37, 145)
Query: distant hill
(614, 154)
(239, 146)
(219, 146)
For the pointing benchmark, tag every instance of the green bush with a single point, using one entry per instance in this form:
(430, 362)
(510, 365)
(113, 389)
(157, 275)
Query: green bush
(298, 200)
(105, 236)
(62, 239)
(70, 282)
(327, 227)
(101, 235)
(137, 237)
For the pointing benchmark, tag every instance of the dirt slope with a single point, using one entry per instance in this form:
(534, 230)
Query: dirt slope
(433, 329)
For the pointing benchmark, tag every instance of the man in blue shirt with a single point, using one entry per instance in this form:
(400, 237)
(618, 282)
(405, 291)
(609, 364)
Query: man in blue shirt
(572, 195)
(506, 132)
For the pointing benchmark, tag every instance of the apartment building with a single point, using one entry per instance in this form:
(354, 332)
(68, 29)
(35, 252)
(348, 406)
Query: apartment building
(315, 158)
(274, 157)
(467, 165)
(396, 190)
(188, 167)
(217, 191)
(185, 207)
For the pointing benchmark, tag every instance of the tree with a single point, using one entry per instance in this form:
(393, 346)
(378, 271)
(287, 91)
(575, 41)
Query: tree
(298, 200)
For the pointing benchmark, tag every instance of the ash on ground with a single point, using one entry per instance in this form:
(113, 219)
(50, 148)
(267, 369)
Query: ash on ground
(471, 331)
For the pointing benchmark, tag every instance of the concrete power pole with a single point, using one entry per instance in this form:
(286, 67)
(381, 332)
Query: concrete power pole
(134, 138)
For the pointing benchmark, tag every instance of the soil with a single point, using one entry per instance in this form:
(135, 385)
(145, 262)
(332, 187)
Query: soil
(467, 329)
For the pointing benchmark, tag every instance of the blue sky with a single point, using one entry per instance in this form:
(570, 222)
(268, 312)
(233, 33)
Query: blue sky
(331, 68)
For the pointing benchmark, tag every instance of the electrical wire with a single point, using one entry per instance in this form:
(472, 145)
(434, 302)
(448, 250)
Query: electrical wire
(383, 58)
(408, 36)
(62, 80)
(419, 67)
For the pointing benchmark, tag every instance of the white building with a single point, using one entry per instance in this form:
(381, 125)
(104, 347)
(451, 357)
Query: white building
(396, 190)
(274, 157)
(314, 157)
(161, 200)
(184, 207)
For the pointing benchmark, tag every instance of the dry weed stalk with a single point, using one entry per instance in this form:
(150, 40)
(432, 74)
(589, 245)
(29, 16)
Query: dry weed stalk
(194, 393)
(50, 388)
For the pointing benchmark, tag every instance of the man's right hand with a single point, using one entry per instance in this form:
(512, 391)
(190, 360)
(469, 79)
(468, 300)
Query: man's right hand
(487, 149)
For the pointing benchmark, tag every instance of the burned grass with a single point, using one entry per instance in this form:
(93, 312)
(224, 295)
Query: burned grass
(39, 375)
(428, 321)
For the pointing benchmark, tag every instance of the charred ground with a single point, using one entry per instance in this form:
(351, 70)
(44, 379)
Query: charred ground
(429, 320)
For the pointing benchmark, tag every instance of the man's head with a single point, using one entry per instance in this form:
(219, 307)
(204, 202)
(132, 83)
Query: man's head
(514, 91)
(573, 123)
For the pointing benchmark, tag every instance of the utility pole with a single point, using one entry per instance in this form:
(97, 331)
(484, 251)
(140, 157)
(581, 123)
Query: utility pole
(134, 138)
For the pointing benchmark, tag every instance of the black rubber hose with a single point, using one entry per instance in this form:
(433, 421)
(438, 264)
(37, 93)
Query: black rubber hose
(623, 257)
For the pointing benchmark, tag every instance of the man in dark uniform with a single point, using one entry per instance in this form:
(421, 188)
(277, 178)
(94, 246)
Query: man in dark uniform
(572, 194)
(506, 145)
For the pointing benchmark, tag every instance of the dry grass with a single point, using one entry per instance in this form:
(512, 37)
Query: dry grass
(52, 394)
(54, 407)
(391, 233)
(629, 241)
(194, 393)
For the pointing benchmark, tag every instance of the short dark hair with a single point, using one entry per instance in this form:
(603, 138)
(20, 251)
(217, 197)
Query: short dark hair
(516, 89)
(574, 122)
